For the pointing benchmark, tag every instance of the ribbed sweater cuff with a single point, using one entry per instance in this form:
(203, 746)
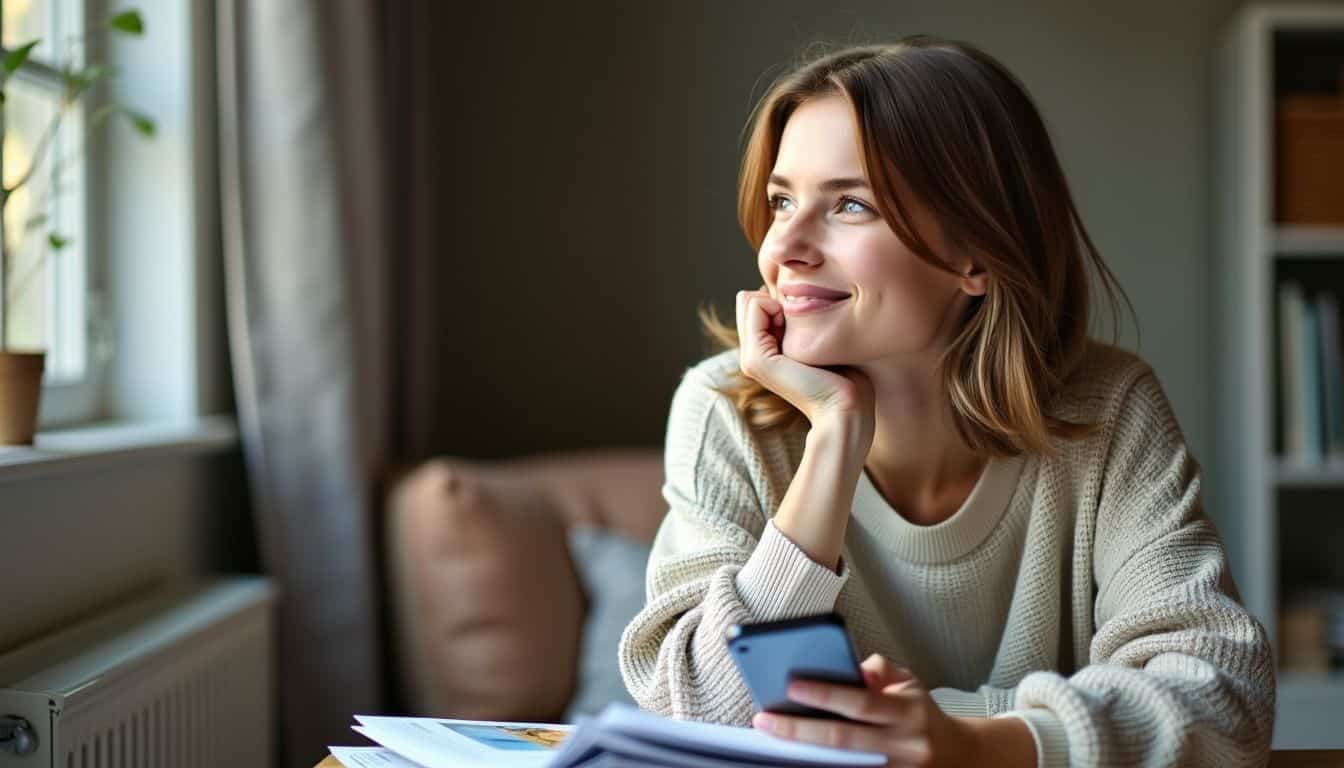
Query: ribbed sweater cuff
(1052, 741)
(779, 580)
(960, 703)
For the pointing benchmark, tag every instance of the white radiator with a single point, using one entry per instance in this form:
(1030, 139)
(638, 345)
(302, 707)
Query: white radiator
(180, 679)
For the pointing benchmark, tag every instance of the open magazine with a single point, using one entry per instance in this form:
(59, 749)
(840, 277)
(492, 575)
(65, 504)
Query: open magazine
(620, 737)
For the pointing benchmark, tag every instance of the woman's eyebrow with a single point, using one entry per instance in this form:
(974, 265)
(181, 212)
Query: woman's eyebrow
(830, 185)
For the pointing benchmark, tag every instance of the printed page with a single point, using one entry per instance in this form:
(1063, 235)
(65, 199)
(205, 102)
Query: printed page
(621, 732)
(447, 743)
(727, 742)
(593, 746)
(370, 757)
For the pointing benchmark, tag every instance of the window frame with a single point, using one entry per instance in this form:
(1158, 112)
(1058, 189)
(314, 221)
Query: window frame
(70, 400)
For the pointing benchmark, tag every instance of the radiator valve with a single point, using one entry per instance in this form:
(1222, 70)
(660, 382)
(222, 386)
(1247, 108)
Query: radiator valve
(17, 736)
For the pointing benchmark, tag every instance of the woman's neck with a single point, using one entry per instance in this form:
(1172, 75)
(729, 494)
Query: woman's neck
(918, 461)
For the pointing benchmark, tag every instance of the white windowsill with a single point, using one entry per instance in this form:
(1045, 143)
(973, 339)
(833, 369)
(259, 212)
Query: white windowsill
(99, 445)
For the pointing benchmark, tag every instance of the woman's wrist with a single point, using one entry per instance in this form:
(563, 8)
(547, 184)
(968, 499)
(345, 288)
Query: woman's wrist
(1002, 741)
(847, 435)
(815, 511)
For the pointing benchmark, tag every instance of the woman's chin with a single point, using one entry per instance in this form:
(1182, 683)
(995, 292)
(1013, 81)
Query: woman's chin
(814, 355)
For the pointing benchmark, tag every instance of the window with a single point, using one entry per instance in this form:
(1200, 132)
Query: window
(130, 307)
(46, 289)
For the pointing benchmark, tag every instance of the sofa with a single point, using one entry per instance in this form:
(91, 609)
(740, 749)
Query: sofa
(510, 581)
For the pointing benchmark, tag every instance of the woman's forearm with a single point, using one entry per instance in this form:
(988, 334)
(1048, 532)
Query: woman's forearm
(815, 510)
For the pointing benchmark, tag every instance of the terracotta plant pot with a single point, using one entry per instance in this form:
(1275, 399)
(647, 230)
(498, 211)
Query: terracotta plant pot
(20, 394)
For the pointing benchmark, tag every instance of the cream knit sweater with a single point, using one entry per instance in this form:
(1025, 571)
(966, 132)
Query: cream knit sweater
(1085, 592)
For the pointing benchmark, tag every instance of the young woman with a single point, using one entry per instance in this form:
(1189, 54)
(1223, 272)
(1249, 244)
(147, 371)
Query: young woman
(915, 431)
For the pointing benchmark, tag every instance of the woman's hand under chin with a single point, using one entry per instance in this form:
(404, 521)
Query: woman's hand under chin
(820, 394)
(895, 716)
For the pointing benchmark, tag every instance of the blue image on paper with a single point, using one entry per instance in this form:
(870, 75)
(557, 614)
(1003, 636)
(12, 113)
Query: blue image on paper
(496, 738)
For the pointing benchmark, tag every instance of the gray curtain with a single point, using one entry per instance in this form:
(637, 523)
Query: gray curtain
(413, 192)
(308, 285)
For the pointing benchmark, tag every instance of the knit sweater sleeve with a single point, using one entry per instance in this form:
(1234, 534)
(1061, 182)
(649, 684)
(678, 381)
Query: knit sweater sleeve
(717, 560)
(1179, 672)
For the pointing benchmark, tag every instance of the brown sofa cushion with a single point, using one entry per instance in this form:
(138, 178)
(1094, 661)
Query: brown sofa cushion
(620, 490)
(487, 605)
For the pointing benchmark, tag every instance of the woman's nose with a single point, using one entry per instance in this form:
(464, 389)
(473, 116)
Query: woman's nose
(794, 244)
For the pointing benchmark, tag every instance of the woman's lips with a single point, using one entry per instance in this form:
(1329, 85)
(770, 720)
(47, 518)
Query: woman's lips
(806, 305)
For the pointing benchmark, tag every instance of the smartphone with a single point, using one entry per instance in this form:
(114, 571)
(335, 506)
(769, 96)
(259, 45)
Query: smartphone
(771, 654)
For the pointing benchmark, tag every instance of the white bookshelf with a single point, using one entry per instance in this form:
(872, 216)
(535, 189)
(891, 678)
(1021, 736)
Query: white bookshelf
(1289, 474)
(1326, 242)
(1250, 481)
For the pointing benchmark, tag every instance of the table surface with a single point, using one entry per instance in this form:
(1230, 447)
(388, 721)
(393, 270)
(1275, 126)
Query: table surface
(1331, 758)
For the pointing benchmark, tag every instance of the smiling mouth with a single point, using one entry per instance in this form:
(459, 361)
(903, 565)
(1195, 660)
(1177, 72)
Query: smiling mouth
(794, 305)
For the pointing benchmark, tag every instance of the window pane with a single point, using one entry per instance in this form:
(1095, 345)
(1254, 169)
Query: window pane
(58, 25)
(46, 285)
(24, 20)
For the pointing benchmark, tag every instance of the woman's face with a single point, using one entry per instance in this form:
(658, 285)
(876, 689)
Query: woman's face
(878, 299)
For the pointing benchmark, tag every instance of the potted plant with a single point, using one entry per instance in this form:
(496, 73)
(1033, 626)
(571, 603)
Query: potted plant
(21, 369)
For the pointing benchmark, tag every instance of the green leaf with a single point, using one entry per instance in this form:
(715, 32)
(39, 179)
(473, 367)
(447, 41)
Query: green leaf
(80, 81)
(128, 22)
(101, 114)
(57, 242)
(142, 122)
(15, 58)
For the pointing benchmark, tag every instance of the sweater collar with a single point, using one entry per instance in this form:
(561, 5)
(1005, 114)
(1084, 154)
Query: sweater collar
(951, 539)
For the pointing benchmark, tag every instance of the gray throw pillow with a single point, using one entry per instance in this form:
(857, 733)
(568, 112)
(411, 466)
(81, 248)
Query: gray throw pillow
(611, 572)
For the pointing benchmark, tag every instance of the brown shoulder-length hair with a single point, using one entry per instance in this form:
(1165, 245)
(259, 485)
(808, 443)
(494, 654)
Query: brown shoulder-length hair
(967, 141)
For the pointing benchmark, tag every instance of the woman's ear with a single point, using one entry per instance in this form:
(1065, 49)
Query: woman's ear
(974, 281)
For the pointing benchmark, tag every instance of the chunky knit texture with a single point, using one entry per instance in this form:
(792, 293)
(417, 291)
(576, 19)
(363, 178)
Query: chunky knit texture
(1084, 591)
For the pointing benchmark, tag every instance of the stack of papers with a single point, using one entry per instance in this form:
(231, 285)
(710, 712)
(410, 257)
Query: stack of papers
(621, 737)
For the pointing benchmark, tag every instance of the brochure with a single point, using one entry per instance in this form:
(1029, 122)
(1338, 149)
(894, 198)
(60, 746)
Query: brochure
(370, 757)
(620, 737)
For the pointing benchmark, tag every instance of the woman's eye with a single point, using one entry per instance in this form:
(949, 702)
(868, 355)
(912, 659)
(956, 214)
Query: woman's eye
(850, 205)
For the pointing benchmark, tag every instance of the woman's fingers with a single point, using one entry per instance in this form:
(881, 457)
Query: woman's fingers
(864, 705)
(745, 310)
(903, 748)
(758, 338)
(829, 733)
(772, 306)
(814, 391)
(899, 720)
(741, 304)
(761, 313)
(879, 672)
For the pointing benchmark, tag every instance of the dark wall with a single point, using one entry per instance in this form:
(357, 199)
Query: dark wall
(568, 258)
(572, 169)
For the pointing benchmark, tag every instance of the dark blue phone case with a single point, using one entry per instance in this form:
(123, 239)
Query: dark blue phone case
(771, 654)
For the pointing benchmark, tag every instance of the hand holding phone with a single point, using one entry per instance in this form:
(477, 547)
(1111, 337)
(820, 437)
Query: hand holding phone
(770, 655)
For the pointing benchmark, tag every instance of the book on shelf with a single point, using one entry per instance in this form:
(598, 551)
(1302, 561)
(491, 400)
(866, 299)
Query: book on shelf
(1332, 373)
(1309, 382)
(1311, 376)
(620, 736)
(1293, 419)
(1311, 631)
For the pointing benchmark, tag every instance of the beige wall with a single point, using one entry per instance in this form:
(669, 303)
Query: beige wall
(85, 534)
(593, 153)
